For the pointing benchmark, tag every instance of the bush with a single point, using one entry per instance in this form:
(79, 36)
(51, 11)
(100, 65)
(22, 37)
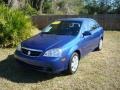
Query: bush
(14, 26)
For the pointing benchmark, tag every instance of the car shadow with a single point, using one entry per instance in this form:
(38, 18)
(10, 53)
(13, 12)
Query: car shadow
(9, 69)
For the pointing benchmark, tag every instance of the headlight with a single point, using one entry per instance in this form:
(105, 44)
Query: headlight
(19, 47)
(53, 53)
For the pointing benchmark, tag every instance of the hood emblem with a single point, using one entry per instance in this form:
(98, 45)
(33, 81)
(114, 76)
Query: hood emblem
(29, 52)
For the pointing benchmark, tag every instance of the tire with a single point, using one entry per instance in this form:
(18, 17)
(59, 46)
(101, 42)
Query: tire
(100, 45)
(73, 64)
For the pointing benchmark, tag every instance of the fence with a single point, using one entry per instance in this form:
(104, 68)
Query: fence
(108, 21)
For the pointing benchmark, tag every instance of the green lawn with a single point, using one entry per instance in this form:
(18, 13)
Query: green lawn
(98, 70)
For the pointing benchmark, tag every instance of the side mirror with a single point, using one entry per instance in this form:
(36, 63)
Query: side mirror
(86, 33)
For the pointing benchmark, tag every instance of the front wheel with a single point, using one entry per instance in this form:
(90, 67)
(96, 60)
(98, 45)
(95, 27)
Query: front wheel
(100, 45)
(73, 64)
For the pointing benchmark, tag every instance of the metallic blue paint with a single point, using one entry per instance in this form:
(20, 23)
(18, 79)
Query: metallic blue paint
(68, 43)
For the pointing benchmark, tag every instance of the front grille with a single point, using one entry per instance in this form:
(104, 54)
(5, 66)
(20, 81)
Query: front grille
(30, 52)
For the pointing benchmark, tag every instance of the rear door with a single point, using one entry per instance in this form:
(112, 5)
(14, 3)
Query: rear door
(90, 42)
(95, 34)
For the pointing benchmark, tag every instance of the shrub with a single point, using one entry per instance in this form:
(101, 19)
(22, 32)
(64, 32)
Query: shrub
(14, 26)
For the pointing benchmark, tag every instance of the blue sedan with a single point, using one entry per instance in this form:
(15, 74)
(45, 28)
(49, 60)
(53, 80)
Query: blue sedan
(60, 45)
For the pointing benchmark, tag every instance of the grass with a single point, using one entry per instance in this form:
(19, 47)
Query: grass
(97, 71)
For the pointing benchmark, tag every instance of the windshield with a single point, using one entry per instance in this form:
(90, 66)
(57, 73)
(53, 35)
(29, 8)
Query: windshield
(62, 28)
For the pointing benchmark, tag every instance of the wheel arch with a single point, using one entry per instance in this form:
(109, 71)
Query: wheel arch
(101, 37)
(78, 52)
(75, 49)
(68, 66)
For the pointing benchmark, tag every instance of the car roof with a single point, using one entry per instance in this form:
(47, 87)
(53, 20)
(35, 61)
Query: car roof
(77, 19)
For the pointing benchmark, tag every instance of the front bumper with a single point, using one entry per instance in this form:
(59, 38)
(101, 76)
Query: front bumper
(41, 63)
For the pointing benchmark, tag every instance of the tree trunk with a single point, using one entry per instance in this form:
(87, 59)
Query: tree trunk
(14, 3)
(41, 6)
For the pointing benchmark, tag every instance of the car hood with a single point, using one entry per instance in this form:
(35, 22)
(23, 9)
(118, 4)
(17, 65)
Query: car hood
(46, 41)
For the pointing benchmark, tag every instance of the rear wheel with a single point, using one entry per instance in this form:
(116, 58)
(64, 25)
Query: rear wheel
(100, 45)
(73, 64)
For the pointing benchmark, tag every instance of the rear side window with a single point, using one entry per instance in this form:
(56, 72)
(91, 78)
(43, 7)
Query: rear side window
(94, 25)
(90, 25)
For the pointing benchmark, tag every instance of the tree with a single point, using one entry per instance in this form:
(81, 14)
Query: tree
(14, 3)
(116, 7)
(47, 7)
(68, 7)
(37, 4)
(97, 7)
